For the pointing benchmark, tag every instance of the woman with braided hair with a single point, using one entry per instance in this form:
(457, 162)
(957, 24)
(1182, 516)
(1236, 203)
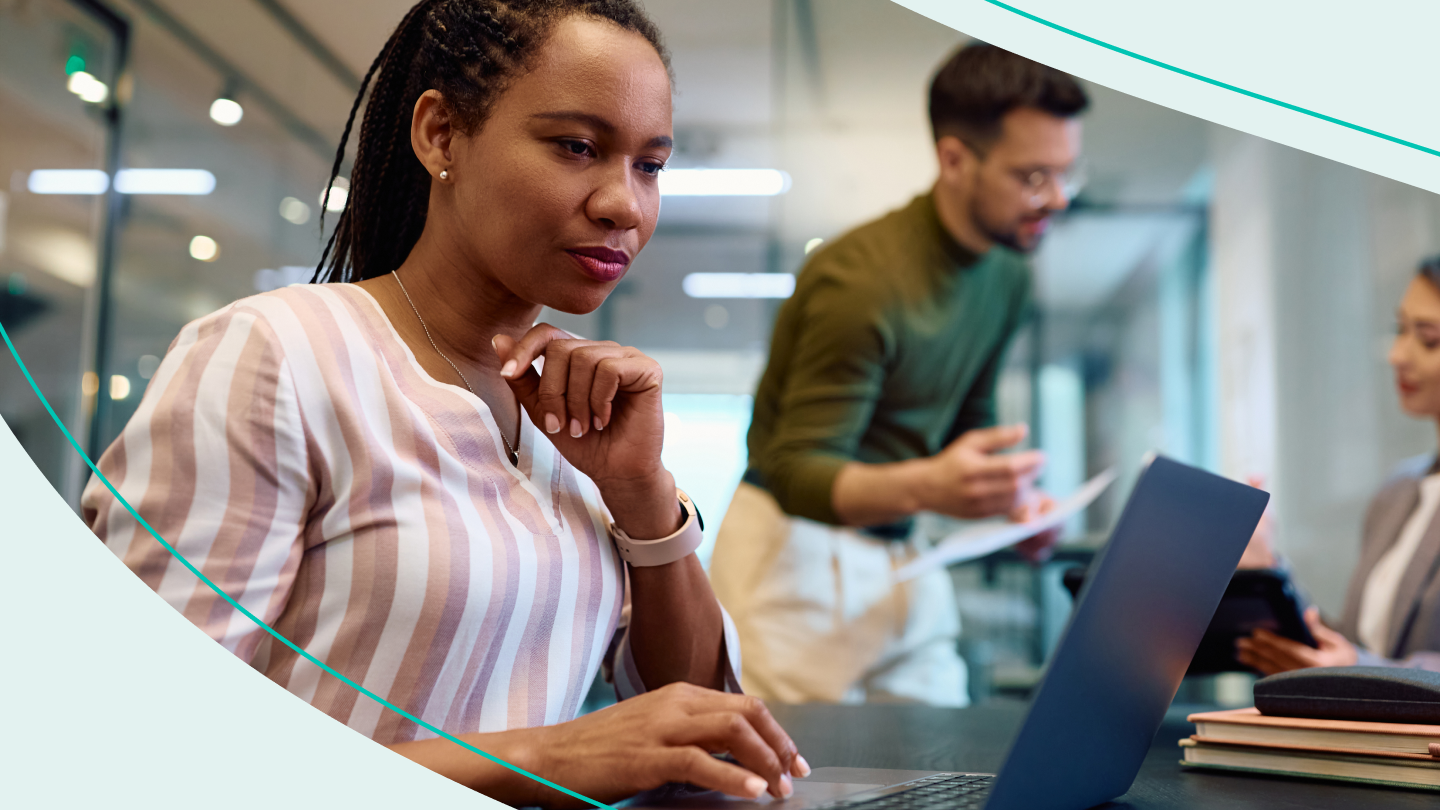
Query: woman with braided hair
(422, 489)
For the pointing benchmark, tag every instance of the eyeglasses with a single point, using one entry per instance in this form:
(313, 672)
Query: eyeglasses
(1037, 182)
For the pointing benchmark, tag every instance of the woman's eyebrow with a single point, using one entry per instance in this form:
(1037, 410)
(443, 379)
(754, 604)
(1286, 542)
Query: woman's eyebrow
(598, 123)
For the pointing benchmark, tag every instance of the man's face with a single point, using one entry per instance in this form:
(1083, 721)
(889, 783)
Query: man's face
(1019, 181)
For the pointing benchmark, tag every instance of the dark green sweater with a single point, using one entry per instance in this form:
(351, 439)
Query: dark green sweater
(889, 348)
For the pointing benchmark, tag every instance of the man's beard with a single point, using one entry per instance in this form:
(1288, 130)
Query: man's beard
(1009, 237)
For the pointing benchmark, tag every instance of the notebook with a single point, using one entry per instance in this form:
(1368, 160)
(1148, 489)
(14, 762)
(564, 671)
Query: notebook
(1406, 770)
(1249, 727)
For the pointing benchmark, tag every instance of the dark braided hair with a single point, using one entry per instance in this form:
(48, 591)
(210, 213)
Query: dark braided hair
(468, 50)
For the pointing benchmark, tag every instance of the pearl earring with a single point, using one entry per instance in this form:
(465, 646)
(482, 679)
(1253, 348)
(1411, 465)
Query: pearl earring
(445, 174)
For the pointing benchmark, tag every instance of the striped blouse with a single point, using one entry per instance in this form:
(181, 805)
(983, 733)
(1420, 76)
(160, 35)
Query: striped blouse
(293, 450)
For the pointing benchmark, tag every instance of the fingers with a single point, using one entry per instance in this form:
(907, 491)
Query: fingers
(749, 732)
(987, 440)
(692, 764)
(633, 373)
(1248, 655)
(584, 362)
(732, 732)
(1333, 643)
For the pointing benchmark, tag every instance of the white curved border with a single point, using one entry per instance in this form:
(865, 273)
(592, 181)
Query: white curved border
(115, 700)
(1373, 65)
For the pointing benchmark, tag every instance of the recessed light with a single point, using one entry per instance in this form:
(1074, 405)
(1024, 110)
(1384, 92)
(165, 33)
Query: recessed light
(204, 248)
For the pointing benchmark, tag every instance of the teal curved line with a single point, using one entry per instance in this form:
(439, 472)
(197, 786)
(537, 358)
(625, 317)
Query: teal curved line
(242, 609)
(1234, 89)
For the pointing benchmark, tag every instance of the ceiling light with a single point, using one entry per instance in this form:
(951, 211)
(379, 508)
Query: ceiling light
(294, 211)
(204, 248)
(226, 112)
(87, 87)
(739, 285)
(147, 366)
(164, 181)
(812, 244)
(67, 181)
(724, 182)
(716, 316)
(339, 193)
(119, 387)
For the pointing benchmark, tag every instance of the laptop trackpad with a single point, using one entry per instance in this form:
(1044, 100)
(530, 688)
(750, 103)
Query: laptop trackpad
(808, 794)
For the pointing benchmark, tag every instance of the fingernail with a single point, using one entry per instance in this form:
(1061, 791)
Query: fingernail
(786, 788)
(805, 767)
(575, 428)
(599, 426)
(755, 786)
(495, 343)
(509, 369)
(552, 423)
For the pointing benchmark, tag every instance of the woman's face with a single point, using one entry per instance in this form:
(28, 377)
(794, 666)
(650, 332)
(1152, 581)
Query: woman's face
(1414, 352)
(557, 191)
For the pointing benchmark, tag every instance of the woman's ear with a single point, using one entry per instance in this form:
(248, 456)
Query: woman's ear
(430, 132)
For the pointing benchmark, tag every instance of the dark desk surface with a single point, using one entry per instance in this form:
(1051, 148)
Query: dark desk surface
(974, 740)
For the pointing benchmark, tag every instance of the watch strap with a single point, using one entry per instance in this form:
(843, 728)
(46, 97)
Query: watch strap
(665, 550)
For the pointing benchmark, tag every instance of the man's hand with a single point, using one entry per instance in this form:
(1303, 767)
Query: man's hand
(1037, 548)
(1273, 654)
(969, 479)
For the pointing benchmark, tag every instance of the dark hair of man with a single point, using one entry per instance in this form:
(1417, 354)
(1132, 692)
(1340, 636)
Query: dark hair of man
(980, 83)
(468, 50)
(1429, 270)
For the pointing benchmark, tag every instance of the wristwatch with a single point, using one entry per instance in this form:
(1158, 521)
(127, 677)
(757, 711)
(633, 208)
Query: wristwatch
(665, 550)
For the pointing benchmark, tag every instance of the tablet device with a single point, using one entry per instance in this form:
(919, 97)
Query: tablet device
(1255, 598)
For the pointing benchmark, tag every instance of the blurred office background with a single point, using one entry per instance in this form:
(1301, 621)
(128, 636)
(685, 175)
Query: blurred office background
(1211, 295)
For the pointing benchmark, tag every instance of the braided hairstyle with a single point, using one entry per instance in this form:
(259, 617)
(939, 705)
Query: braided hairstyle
(468, 50)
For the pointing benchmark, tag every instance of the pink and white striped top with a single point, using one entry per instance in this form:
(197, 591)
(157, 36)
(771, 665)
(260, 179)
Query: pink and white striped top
(293, 450)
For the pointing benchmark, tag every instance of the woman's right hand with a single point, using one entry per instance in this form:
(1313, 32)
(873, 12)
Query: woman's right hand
(669, 735)
(662, 736)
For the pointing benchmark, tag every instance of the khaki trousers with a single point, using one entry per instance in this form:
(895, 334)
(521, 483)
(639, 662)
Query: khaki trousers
(821, 618)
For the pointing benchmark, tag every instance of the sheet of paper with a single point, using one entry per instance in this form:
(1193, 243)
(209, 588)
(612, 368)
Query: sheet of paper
(981, 539)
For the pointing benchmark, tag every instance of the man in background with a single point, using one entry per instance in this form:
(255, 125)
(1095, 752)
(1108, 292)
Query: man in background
(878, 402)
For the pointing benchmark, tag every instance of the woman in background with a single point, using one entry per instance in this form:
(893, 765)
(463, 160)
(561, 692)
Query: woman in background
(1391, 614)
(350, 461)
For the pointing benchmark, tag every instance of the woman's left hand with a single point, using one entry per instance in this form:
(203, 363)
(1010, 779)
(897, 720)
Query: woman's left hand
(1271, 653)
(599, 402)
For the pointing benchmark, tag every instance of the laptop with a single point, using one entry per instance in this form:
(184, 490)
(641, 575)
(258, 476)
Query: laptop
(1136, 625)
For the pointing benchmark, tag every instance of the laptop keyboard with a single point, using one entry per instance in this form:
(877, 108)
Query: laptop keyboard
(939, 791)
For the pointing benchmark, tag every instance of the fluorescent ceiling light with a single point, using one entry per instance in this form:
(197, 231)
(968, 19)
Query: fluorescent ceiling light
(67, 181)
(739, 285)
(164, 181)
(724, 182)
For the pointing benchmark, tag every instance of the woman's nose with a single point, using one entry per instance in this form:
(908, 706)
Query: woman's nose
(615, 202)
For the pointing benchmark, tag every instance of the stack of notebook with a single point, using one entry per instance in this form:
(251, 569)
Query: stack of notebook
(1359, 751)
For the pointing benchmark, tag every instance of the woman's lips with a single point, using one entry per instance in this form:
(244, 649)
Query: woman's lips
(600, 263)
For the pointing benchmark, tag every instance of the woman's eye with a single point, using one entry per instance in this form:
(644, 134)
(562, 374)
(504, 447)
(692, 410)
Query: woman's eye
(651, 168)
(577, 148)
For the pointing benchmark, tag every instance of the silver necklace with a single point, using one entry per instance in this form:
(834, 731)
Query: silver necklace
(515, 457)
